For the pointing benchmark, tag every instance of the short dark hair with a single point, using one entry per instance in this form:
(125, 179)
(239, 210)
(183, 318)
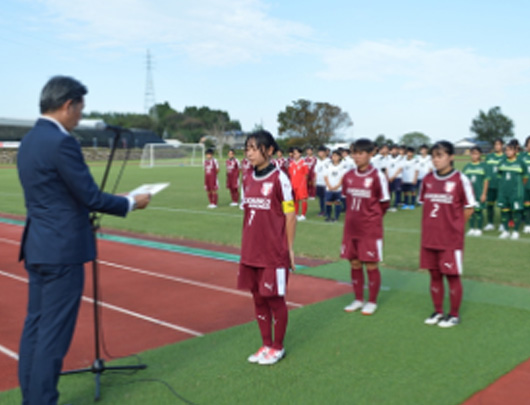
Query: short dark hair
(363, 145)
(424, 146)
(477, 148)
(58, 91)
(514, 143)
(209, 151)
(337, 152)
(411, 149)
(527, 140)
(446, 146)
(298, 149)
(498, 140)
(322, 148)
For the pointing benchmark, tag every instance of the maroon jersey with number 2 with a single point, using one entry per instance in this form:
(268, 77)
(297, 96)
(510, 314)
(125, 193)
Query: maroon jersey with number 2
(264, 238)
(444, 199)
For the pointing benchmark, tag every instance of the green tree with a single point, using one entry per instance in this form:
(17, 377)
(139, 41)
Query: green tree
(492, 125)
(414, 139)
(314, 123)
(380, 140)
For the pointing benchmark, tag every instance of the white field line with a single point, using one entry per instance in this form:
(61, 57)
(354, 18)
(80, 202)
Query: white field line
(121, 310)
(9, 353)
(172, 278)
(186, 281)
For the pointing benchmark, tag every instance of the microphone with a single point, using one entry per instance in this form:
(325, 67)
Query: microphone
(103, 126)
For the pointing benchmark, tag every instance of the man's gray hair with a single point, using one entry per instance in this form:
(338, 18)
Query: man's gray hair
(58, 91)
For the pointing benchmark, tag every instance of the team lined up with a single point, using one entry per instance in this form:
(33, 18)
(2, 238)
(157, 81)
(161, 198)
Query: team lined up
(498, 180)
(272, 189)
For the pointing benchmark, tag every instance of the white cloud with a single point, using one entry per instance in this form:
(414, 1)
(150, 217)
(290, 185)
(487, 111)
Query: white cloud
(416, 65)
(211, 32)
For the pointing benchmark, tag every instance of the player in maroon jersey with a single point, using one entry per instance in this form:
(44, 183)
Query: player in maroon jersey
(367, 199)
(448, 202)
(281, 161)
(311, 161)
(267, 254)
(211, 185)
(232, 177)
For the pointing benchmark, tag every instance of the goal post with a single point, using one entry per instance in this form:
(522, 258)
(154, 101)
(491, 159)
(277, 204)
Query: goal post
(172, 154)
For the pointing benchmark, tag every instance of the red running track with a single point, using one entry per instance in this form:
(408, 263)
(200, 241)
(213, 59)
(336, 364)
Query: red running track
(150, 298)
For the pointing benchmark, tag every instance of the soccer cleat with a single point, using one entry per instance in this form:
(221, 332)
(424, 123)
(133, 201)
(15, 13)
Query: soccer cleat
(501, 228)
(369, 308)
(256, 357)
(392, 209)
(478, 232)
(354, 306)
(515, 235)
(471, 232)
(404, 207)
(301, 218)
(489, 227)
(434, 318)
(412, 207)
(526, 229)
(272, 356)
(234, 204)
(449, 321)
(211, 206)
(504, 235)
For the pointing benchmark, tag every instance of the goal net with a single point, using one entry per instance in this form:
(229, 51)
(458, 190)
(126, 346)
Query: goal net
(172, 154)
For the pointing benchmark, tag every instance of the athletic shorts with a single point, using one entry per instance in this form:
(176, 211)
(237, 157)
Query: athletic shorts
(446, 261)
(211, 185)
(365, 250)
(300, 193)
(268, 281)
(408, 187)
(395, 185)
(511, 202)
(491, 195)
(332, 196)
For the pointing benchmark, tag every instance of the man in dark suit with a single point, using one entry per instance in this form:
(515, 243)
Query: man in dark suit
(59, 193)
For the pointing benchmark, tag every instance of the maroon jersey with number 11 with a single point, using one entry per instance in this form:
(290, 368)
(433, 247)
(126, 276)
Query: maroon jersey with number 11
(444, 199)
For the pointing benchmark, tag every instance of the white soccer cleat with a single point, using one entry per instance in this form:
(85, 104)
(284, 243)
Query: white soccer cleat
(256, 357)
(514, 235)
(354, 306)
(526, 229)
(369, 308)
(449, 321)
(301, 218)
(392, 209)
(434, 318)
(272, 356)
(471, 232)
(233, 204)
(478, 232)
(504, 235)
(501, 228)
(489, 227)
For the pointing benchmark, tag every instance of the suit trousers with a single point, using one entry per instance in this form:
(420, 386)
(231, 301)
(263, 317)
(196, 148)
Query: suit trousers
(53, 304)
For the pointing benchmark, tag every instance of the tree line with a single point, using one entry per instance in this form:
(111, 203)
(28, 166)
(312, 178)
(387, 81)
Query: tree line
(304, 122)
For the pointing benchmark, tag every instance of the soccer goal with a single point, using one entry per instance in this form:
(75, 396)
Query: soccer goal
(172, 154)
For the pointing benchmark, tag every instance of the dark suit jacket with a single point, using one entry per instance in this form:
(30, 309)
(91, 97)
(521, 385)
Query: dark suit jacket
(59, 193)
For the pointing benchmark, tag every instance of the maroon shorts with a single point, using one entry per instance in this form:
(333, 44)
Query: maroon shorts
(211, 184)
(268, 281)
(365, 250)
(446, 261)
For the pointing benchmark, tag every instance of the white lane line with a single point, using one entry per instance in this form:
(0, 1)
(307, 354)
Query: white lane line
(186, 281)
(9, 353)
(121, 310)
(10, 242)
(177, 279)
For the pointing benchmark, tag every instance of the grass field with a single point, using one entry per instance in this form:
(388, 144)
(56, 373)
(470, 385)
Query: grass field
(333, 357)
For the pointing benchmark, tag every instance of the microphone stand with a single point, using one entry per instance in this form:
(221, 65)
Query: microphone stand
(98, 366)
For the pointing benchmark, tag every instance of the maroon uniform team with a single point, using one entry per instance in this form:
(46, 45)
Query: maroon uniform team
(268, 196)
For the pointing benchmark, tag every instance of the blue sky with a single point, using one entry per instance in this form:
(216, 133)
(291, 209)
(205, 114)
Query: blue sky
(395, 67)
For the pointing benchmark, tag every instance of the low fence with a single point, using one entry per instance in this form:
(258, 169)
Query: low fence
(9, 156)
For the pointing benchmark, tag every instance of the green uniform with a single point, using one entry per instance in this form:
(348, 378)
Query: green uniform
(511, 189)
(525, 157)
(492, 162)
(477, 174)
